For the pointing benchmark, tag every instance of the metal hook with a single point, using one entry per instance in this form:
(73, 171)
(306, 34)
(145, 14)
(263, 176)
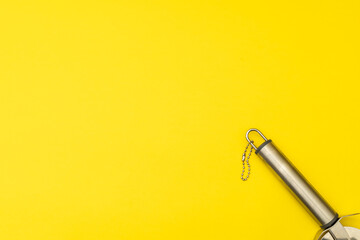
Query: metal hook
(252, 142)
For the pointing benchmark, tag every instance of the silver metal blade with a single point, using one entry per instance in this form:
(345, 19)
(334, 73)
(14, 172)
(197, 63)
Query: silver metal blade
(339, 232)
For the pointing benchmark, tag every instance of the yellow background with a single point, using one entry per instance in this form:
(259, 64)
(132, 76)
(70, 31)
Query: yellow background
(126, 119)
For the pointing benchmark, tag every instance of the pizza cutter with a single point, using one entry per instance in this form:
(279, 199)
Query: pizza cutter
(323, 213)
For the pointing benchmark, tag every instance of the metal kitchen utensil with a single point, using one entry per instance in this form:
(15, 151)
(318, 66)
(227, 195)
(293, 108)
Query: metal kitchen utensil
(323, 213)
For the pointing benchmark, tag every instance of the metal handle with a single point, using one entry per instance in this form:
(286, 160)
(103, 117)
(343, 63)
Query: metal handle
(303, 190)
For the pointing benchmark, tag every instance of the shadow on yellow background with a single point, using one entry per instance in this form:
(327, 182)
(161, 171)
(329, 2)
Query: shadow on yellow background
(126, 119)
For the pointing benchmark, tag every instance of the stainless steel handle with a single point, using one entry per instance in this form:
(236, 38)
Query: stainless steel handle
(302, 189)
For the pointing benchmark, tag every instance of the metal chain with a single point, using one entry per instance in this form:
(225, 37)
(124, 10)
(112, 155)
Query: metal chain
(245, 160)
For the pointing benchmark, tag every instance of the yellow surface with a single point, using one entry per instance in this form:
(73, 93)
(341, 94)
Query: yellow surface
(126, 119)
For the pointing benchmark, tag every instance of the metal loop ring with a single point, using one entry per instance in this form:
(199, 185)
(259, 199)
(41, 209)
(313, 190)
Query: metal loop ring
(252, 142)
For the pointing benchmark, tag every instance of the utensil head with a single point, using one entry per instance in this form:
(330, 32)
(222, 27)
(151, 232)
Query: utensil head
(339, 232)
(354, 234)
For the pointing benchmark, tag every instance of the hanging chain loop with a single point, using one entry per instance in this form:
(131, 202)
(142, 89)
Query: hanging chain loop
(245, 161)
